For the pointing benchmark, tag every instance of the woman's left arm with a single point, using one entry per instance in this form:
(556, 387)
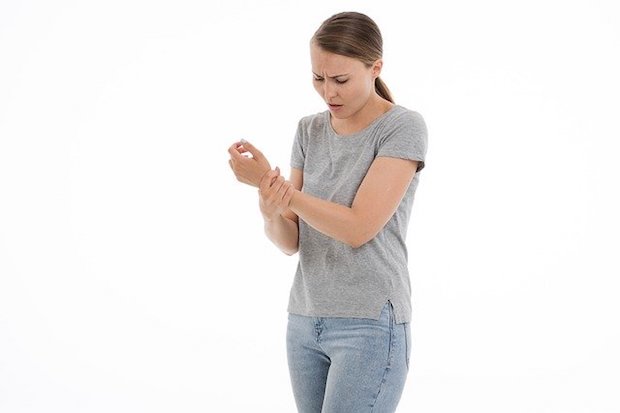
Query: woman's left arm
(376, 201)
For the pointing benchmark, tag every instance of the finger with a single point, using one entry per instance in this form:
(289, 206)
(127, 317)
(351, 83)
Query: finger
(273, 180)
(265, 183)
(288, 195)
(239, 147)
(233, 165)
(270, 178)
(252, 149)
(284, 190)
(271, 194)
(279, 181)
(275, 189)
(232, 150)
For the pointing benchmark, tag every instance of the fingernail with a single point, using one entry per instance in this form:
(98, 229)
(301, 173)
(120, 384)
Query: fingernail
(244, 141)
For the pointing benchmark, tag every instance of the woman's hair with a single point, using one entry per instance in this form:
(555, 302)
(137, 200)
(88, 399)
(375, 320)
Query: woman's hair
(354, 35)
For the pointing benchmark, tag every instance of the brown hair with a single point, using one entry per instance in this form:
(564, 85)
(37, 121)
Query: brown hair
(354, 35)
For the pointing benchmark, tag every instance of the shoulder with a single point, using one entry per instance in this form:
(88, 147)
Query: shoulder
(313, 121)
(400, 116)
(401, 123)
(312, 125)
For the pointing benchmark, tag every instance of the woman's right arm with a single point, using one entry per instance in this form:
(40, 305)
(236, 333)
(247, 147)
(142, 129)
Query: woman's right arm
(281, 224)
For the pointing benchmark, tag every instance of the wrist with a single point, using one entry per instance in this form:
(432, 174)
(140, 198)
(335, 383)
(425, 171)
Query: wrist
(292, 202)
(260, 181)
(270, 218)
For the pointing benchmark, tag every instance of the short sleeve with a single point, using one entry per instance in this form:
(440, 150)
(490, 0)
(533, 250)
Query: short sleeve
(406, 137)
(298, 153)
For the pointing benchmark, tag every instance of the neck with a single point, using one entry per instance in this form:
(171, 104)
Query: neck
(375, 107)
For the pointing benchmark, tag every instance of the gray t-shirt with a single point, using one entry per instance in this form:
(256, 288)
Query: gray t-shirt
(334, 279)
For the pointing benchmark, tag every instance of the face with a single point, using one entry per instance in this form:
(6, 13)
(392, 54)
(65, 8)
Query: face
(345, 84)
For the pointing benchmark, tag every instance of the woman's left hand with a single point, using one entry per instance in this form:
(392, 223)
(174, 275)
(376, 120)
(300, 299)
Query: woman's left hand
(248, 170)
(275, 194)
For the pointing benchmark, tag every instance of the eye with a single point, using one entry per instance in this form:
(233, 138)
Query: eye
(340, 82)
(317, 79)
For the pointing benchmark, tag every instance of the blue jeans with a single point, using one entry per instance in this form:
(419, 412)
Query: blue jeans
(348, 365)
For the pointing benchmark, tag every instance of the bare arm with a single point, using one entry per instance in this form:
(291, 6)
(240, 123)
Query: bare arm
(281, 225)
(274, 193)
(376, 201)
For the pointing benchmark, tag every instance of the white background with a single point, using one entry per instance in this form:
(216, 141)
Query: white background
(134, 274)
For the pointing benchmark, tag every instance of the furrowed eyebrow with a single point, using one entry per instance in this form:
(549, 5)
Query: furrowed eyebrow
(331, 77)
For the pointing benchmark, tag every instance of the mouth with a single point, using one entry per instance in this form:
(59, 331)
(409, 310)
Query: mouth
(334, 107)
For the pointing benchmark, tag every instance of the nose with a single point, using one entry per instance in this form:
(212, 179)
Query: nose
(329, 90)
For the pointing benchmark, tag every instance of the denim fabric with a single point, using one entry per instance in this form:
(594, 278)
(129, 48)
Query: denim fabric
(348, 365)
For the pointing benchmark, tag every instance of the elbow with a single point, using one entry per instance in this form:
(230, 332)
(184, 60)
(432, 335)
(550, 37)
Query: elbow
(359, 239)
(290, 249)
(357, 244)
(290, 252)
(360, 230)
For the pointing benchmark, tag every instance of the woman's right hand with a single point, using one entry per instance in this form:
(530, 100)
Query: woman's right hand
(274, 194)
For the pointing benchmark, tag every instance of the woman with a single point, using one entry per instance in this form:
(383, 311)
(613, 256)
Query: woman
(345, 208)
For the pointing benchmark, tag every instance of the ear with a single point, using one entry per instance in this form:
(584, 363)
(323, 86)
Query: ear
(376, 68)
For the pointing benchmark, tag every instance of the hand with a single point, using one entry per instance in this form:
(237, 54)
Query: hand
(248, 170)
(274, 194)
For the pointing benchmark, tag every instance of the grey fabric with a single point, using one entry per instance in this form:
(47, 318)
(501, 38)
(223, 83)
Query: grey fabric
(334, 279)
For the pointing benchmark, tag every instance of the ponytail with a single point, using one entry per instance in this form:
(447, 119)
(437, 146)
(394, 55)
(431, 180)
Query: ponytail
(382, 90)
